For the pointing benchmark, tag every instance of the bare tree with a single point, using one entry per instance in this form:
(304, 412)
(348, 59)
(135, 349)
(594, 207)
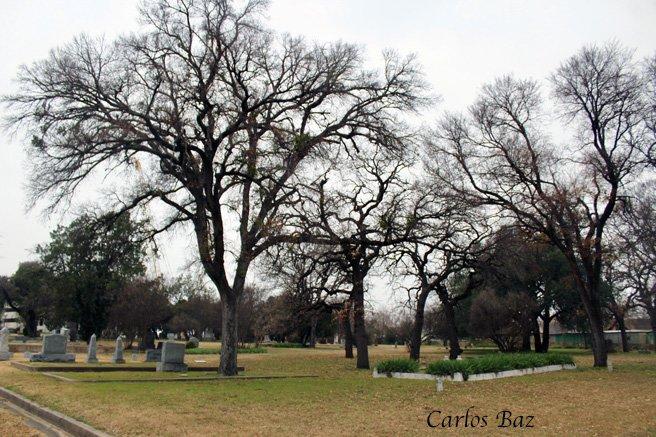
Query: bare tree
(447, 240)
(217, 112)
(503, 158)
(315, 284)
(634, 266)
(357, 212)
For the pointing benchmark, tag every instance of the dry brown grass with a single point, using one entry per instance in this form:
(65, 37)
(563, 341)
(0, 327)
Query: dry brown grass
(12, 424)
(345, 401)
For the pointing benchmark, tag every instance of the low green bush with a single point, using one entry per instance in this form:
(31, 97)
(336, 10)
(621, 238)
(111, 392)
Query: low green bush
(496, 363)
(403, 365)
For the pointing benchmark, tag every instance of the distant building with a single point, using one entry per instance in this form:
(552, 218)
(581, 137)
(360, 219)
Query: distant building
(638, 334)
(13, 321)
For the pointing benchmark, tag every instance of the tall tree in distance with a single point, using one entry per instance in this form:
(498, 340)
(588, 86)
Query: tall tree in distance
(358, 212)
(29, 292)
(89, 261)
(500, 155)
(221, 114)
(447, 238)
(634, 267)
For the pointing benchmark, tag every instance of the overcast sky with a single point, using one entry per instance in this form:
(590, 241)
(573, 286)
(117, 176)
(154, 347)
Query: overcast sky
(461, 44)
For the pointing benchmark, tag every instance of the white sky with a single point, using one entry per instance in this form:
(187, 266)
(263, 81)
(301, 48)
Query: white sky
(461, 44)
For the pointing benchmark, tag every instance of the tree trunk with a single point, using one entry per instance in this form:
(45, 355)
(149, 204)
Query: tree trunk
(651, 312)
(599, 350)
(622, 325)
(418, 326)
(228, 363)
(450, 319)
(348, 333)
(526, 341)
(31, 323)
(537, 340)
(545, 332)
(313, 331)
(360, 328)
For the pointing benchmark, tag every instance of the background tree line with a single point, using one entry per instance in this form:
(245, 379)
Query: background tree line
(277, 152)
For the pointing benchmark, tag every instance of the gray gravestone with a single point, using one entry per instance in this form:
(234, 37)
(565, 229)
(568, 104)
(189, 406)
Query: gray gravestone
(172, 358)
(117, 358)
(53, 349)
(4, 344)
(93, 349)
(170, 336)
(153, 355)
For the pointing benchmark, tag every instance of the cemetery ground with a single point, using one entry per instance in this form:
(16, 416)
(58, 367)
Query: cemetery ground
(345, 401)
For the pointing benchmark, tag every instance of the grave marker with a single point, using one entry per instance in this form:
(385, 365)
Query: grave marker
(172, 358)
(4, 344)
(93, 350)
(53, 350)
(117, 358)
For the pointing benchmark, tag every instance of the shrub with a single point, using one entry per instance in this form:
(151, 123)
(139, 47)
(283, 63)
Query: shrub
(403, 365)
(497, 363)
(193, 343)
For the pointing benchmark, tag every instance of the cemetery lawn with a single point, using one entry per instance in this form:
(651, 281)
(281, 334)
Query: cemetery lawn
(346, 401)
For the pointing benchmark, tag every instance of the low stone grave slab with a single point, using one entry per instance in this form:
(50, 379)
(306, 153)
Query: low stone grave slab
(153, 355)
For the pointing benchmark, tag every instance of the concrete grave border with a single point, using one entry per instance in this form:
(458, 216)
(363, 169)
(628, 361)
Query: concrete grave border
(104, 367)
(59, 420)
(458, 377)
(178, 379)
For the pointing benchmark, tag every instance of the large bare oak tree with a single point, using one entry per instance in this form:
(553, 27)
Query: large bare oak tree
(218, 112)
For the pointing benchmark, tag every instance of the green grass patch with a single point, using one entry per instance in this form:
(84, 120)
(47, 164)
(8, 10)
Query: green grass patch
(497, 363)
(403, 365)
(213, 351)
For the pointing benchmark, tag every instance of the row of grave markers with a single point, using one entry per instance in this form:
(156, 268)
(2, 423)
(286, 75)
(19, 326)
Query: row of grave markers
(53, 349)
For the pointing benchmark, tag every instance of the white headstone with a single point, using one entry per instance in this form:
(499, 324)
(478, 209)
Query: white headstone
(93, 349)
(4, 344)
(117, 358)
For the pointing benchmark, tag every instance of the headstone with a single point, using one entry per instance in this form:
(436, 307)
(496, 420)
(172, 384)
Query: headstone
(170, 336)
(439, 384)
(172, 358)
(267, 339)
(93, 349)
(153, 355)
(117, 358)
(4, 344)
(53, 349)
(193, 343)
